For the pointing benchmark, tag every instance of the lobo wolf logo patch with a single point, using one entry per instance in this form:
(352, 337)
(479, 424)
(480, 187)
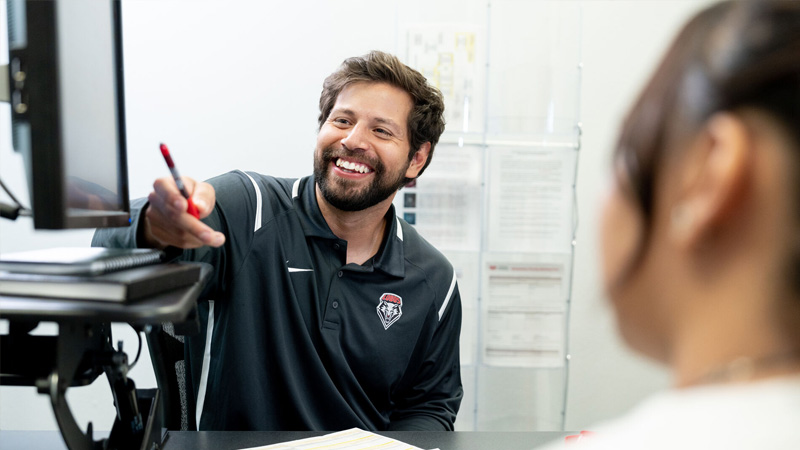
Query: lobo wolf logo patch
(390, 308)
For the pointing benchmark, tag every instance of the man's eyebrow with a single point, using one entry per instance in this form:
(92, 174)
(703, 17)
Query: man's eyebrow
(345, 111)
(342, 110)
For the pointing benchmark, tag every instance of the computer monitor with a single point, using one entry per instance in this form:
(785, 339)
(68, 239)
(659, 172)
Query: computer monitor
(68, 110)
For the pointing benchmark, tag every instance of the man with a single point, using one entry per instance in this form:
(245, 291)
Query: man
(325, 311)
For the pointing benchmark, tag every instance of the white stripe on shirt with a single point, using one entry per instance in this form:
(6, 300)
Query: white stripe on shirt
(258, 203)
(449, 295)
(296, 188)
(201, 394)
(399, 229)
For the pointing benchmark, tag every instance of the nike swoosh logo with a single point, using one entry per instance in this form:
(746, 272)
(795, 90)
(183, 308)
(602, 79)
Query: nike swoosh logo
(295, 269)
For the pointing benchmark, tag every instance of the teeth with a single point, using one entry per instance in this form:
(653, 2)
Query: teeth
(355, 167)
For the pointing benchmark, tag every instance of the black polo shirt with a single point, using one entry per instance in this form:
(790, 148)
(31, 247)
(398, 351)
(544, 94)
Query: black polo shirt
(293, 338)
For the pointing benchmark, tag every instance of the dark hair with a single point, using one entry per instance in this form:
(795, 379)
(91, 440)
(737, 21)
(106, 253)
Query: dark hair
(732, 55)
(426, 120)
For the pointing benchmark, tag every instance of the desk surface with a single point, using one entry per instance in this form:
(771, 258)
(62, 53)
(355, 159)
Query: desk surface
(229, 440)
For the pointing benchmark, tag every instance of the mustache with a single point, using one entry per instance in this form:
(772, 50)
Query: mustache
(331, 153)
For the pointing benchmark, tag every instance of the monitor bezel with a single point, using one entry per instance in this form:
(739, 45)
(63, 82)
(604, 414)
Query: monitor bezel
(45, 157)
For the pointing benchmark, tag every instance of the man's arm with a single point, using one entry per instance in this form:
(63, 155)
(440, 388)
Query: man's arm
(161, 220)
(433, 399)
(122, 237)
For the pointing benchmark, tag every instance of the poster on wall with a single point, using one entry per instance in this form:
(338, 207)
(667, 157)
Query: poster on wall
(444, 204)
(524, 309)
(451, 58)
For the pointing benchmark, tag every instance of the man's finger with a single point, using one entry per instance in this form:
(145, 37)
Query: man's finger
(200, 231)
(181, 229)
(170, 197)
(204, 198)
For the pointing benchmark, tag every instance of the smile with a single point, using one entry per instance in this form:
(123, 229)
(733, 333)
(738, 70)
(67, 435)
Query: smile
(352, 167)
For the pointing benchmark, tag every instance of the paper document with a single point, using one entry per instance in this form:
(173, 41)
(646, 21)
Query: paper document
(352, 439)
(451, 57)
(524, 310)
(531, 199)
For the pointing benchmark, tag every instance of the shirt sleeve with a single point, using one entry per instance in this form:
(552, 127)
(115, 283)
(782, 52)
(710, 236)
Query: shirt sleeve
(432, 400)
(121, 237)
(231, 201)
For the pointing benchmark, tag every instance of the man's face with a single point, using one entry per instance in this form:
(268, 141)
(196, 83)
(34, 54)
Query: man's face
(362, 149)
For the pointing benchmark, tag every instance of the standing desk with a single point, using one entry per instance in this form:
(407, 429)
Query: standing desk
(82, 351)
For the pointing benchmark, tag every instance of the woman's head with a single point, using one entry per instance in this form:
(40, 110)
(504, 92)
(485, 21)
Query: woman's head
(734, 65)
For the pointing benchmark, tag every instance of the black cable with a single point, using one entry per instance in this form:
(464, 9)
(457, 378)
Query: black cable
(9, 211)
(12, 211)
(139, 351)
(11, 195)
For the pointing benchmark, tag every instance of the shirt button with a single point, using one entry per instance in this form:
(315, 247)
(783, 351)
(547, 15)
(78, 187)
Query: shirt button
(335, 304)
(340, 274)
(336, 246)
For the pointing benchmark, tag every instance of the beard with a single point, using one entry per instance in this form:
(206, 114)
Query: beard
(345, 194)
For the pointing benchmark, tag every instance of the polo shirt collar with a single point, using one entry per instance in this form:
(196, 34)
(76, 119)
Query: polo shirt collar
(390, 257)
(305, 200)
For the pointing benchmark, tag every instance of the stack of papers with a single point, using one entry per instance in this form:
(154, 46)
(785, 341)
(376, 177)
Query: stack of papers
(352, 439)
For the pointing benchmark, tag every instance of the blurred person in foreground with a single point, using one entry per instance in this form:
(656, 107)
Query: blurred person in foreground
(701, 235)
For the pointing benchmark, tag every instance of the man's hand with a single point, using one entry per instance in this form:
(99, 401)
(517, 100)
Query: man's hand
(167, 222)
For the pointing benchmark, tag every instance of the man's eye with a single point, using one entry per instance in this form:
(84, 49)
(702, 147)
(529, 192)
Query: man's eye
(383, 131)
(341, 121)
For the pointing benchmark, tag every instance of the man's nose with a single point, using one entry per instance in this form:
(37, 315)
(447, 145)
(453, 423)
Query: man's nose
(357, 138)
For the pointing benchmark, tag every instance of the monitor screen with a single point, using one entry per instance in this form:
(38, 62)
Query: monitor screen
(67, 102)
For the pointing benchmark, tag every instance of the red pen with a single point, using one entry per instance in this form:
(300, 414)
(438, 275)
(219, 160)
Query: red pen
(191, 209)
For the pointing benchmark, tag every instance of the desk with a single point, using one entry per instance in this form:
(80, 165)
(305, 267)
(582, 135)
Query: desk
(229, 440)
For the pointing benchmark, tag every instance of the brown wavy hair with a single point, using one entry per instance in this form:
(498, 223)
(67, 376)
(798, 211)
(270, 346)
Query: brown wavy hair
(732, 55)
(426, 119)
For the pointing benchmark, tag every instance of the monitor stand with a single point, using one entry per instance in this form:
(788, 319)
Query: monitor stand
(136, 425)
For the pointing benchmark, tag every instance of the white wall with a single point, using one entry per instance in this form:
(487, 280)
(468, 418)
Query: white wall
(235, 85)
(622, 41)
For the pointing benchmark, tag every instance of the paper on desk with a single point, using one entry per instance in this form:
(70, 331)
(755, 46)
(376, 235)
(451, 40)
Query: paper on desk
(352, 439)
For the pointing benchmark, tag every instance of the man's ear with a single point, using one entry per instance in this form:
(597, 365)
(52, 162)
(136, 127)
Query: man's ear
(418, 160)
(713, 179)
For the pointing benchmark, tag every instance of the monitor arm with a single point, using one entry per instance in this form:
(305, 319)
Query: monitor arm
(12, 84)
(77, 356)
(131, 430)
(8, 211)
(5, 89)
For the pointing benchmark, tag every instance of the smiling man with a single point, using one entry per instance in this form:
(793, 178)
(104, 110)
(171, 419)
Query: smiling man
(325, 311)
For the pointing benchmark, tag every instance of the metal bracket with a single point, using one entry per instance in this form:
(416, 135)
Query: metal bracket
(131, 430)
(5, 87)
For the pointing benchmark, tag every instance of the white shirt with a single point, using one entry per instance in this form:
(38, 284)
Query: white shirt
(758, 415)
